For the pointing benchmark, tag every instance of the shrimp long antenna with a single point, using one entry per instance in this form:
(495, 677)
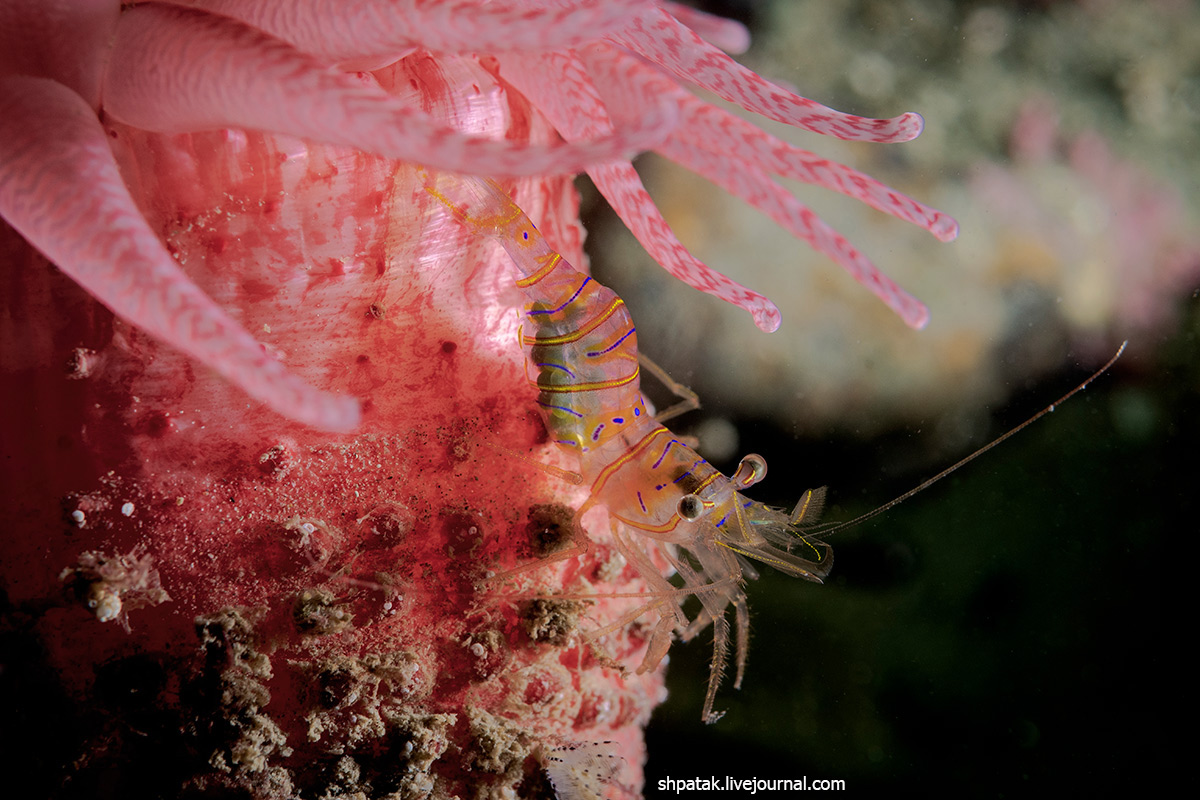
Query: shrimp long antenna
(925, 485)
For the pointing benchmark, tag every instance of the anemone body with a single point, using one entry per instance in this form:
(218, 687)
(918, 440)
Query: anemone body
(219, 263)
(339, 554)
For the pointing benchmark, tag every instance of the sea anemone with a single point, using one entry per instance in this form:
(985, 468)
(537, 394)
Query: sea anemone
(232, 183)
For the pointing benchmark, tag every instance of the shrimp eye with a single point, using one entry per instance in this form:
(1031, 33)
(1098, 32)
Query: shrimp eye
(691, 507)
(752, 470)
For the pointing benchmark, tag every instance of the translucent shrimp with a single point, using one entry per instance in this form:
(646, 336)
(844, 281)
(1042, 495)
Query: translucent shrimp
(581, 350)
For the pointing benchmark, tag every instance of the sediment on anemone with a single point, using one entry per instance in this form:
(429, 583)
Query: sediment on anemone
(224, 197)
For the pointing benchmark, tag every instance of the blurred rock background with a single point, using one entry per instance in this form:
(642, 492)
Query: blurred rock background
(1004, 629)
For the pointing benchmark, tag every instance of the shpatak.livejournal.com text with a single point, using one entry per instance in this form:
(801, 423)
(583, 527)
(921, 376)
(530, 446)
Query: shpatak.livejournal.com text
(728, 783)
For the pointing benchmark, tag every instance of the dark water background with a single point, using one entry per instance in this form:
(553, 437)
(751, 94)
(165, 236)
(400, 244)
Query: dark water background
(1014, 629)
(1010, 629)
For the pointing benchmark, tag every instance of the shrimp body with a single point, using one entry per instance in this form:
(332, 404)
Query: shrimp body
(582, 357)
(581, 342)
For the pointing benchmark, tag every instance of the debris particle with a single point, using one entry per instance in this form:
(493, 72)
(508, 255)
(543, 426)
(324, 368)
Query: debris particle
(312, 538)
(104, 601)
(81, 363)
(277, 461)
(317, 613)
(497, 745)
(549, 528)
(550, 620)
(490, 652)
(386, 525)
(110, 587)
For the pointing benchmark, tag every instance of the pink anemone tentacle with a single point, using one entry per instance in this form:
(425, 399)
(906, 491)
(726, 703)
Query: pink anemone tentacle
(586, 115)
(756, 187)
(177, 70)
(740, 143)
(737, 156)
(50, 143)
(727, 150)
(730, 35)
(622, 187)
(60, 39)
(667, 42)
(342, 31)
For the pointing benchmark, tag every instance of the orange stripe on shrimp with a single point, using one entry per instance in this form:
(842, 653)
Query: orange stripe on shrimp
(635, 450)
(551, 263)
(616, 305)
(595, 386)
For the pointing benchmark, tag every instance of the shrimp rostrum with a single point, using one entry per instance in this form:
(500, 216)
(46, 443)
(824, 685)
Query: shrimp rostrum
(582, 357)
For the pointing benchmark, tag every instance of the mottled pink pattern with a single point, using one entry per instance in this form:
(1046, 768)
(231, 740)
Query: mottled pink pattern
(1119, 232)
(163, 68)
(661, 38)
(756, 187)
(51, 140)
(338, 31)
(211, 72)
(727, 34)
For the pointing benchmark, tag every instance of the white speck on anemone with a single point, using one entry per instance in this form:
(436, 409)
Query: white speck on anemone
(598, 69)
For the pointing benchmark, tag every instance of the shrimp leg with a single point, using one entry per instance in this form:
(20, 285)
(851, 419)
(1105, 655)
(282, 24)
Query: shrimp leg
(688, 400)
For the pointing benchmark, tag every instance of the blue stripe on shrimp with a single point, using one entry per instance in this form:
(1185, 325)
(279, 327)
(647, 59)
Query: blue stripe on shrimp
(587, 279)
(695, 464)
(612, 346)
(664, 453)
(552, 365)
(567, 409)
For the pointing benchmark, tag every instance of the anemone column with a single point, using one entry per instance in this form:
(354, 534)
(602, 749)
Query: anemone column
(349, 636)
